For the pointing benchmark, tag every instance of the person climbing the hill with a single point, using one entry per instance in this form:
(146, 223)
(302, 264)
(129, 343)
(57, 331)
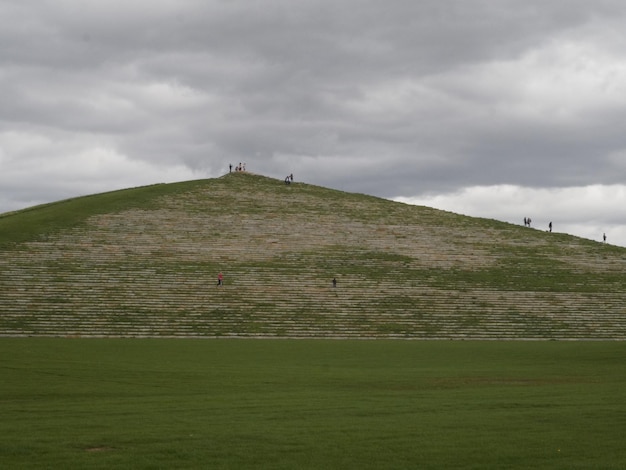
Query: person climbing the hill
(220, 279)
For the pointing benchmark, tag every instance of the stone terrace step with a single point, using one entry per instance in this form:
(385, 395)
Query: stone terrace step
(152, 273)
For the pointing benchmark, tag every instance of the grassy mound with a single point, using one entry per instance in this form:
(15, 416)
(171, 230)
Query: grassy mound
(144, 262)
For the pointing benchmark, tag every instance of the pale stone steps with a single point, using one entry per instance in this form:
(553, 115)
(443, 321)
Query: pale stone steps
(152, 273)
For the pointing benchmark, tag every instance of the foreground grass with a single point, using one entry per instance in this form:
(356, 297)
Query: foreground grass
(311, 404)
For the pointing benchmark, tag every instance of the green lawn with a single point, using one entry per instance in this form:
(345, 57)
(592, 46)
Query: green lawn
(130, 403)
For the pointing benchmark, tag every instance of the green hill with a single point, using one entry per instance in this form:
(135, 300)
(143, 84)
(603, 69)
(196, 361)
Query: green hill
(144, 262)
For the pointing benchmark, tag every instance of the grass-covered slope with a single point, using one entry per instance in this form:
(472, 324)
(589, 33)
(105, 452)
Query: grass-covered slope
(144, 262)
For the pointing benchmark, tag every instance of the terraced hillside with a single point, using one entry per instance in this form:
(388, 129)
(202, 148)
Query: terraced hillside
(144, 262)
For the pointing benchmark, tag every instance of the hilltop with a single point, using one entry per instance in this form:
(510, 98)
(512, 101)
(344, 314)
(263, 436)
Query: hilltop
(144, 262)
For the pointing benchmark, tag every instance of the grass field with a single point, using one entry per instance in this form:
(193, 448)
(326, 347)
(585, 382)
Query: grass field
(157, 403)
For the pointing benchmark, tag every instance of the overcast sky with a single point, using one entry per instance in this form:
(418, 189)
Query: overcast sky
(494, 108)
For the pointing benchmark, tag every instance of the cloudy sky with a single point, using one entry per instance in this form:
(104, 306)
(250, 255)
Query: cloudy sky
(494, 108)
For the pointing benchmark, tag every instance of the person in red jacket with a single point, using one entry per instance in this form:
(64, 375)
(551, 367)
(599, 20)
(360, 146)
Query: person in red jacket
(220, 279)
